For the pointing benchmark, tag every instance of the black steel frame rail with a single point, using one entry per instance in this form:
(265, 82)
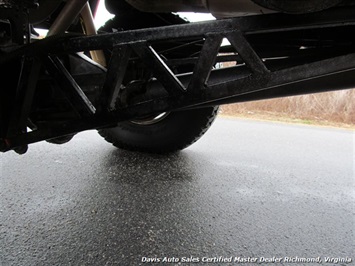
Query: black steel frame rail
(169, 91)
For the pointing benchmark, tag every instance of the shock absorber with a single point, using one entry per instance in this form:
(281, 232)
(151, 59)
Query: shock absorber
(71, 10)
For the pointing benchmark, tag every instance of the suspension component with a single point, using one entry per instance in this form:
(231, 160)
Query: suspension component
(274, 55)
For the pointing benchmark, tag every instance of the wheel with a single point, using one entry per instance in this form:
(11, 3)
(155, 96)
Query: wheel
(61, 140)
(169, 132)
(164, 133)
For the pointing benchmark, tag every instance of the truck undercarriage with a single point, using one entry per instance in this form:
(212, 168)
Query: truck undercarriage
(51, 89)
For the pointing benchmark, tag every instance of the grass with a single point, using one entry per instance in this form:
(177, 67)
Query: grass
(335, 109)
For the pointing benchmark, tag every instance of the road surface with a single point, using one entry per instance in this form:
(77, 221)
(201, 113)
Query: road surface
(250, 192)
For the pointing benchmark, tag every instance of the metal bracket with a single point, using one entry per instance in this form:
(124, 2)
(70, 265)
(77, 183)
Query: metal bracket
(161, 71)
(69, 86)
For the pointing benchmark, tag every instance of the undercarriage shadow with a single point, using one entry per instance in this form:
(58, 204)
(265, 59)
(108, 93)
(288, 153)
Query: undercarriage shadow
(134, 167)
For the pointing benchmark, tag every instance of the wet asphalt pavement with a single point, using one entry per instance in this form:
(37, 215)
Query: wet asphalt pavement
(247, 190)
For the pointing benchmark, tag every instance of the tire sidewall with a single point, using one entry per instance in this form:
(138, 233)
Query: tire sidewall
(174, 132)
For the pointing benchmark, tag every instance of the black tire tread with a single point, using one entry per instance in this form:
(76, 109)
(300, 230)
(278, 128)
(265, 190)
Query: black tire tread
(182, 144)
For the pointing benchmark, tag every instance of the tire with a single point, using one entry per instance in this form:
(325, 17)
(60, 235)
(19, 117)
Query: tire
(169, 132)
(176, 131)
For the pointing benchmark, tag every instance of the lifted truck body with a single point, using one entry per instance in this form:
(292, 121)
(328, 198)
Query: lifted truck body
(270, 55)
